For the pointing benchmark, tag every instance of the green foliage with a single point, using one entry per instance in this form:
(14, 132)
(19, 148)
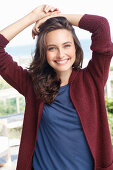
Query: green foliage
(111, 69)
(110, 120)
(22, 103)
(8, 106)
(4, 84)
(109, 104)
(15, 132)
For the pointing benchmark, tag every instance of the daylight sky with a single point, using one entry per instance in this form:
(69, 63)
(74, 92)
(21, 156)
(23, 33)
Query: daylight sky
(13, 10)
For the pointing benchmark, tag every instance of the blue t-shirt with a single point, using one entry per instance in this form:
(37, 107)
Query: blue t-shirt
(61, 144)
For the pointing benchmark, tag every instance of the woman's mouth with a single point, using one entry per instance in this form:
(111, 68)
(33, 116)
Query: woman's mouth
(62, 62)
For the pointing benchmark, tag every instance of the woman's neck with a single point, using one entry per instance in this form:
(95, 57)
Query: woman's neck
(64, 77)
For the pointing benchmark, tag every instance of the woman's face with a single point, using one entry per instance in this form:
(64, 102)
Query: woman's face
(61, 52)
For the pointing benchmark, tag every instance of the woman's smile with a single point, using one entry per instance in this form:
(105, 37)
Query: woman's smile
(61, 52)
(62, 62)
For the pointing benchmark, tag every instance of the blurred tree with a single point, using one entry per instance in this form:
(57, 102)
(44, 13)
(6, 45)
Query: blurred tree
(3, 84)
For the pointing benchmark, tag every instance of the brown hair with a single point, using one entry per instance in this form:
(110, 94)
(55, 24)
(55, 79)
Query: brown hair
(45, 80)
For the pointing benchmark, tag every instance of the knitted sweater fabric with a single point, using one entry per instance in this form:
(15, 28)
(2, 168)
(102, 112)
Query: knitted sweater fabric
(86, 92)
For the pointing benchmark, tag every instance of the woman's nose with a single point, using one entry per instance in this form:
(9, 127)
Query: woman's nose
(61, 53)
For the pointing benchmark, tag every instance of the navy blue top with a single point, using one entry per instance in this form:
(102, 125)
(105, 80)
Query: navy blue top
(61, 144)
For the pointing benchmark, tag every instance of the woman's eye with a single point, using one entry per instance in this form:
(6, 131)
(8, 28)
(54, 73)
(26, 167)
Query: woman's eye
(51, 48)
(68, 45)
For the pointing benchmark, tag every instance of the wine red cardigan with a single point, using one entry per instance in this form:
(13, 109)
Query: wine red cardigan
(86, 92)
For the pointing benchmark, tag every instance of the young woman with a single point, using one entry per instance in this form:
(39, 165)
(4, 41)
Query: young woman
(65, 124)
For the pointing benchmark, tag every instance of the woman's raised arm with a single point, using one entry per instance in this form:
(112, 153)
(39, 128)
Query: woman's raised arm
(38, 13)
(72, 18)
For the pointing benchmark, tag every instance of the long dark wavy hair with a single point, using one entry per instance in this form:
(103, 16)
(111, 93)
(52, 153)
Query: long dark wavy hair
(45, 80)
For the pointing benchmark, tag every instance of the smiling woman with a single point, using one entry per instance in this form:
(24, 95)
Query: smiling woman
(61, 51)
(65, 123)
(54, 63)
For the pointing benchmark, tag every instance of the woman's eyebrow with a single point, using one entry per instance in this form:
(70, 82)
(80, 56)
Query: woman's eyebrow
(51, 45)
(63, 43)
(67, 42)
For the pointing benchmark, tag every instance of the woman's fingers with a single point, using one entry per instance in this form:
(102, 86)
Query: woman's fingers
(41, 21)
(50, 9)
(35, 32)
(43, 11)
(49, 12)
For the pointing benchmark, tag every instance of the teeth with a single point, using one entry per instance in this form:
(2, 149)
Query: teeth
(63, 61)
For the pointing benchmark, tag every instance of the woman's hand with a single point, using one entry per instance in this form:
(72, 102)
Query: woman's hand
(43, 13)
(44, 10)
(38, 13)
(35, 30)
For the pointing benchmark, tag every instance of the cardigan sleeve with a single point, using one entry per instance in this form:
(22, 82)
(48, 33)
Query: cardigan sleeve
(101, 46)
(15, 75)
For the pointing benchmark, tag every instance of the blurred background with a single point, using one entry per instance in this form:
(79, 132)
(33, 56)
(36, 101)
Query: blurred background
(21, 48)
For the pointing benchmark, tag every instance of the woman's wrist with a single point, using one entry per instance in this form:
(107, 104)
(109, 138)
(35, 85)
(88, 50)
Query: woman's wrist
(37, 14)
(12, 30)
(34, 17)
